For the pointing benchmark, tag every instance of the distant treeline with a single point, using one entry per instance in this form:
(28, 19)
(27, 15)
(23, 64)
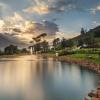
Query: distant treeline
(86, 39)
(11, 49)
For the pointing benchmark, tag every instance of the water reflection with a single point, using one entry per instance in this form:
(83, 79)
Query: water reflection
(37, 78)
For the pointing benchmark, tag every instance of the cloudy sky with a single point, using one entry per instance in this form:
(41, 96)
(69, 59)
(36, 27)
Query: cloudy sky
(20, 20)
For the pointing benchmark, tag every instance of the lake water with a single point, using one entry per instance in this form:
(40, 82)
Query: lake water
(37, 78)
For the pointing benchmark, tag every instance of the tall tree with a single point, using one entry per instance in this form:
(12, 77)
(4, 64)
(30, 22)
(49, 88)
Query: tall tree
(82, 31)
(38, 45)
(64, 43)
(11, 49)
(70, 43)
(56, 43)
(0, 52)
(44, 46)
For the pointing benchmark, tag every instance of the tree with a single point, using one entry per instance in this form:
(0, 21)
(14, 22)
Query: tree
(0, 52)
(70, 43)
(39, 45)
(82, 31)
(44, 46)
(89, 40)
(35, 43)
(56, 43)
(82, 39)
(11, 49)
(64, 43)
(80, 42)
(24, 50)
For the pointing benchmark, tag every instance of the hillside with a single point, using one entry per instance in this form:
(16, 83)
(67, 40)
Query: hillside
(90, 38)
(95, 31)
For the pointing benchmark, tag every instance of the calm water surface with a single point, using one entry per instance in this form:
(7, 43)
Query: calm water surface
(38, 78)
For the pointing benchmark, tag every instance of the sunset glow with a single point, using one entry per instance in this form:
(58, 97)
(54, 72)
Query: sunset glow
(24, 19)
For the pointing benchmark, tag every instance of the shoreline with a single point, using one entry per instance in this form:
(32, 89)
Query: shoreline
(82, 63)
(15, 55)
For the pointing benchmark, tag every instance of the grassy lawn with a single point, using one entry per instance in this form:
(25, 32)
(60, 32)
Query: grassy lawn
(88, 54)
(91, 57)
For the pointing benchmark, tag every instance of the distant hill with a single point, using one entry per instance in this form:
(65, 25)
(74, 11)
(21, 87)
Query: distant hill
(95, 31)
(92, 37)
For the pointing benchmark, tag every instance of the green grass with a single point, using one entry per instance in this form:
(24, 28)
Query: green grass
(87, 54)
(94, 57)
(81, 56)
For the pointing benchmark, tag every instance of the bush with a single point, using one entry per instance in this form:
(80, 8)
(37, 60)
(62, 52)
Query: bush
(83, 51)
(87, 51)
(65, 52)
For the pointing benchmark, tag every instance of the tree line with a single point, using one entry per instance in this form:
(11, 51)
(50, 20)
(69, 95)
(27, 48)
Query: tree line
(86, 39)
(41, 45)
(12, 49)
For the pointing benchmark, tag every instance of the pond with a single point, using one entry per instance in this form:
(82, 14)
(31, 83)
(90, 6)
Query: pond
(40, 78)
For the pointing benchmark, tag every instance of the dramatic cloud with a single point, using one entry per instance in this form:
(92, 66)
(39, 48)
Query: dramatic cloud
(10, 23)
(20, 30)
(43, 7)
(7, 39)
(49, 6)
(35, 28)
(15, 16)
(94, 10)
(46, 27)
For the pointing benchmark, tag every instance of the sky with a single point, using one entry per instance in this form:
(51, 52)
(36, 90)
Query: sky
(20, 20)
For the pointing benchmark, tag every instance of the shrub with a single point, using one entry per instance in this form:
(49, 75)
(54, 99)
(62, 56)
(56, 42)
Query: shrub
(65, 52)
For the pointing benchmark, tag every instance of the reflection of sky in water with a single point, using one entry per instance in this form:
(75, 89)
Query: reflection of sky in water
(37, 78)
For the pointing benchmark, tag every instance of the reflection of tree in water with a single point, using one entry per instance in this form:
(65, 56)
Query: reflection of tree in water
(42, 68)
(38, 68)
